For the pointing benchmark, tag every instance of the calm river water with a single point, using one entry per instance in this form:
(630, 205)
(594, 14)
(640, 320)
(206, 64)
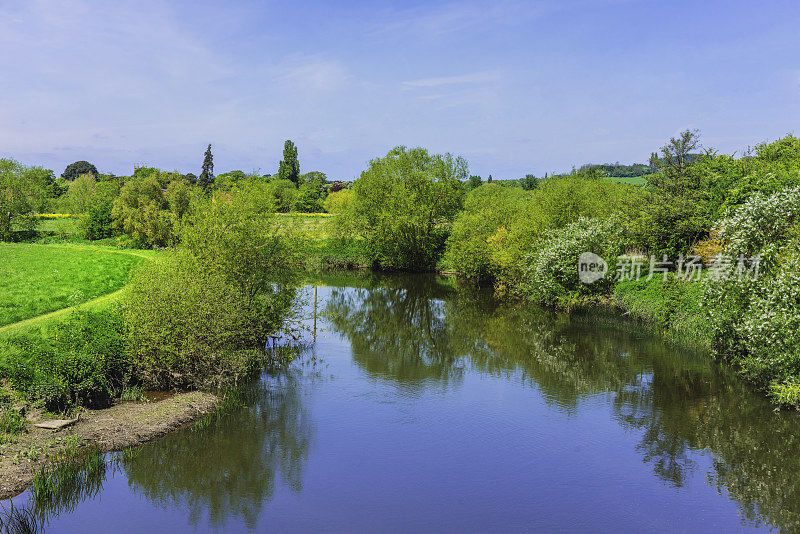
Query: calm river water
(424, 407)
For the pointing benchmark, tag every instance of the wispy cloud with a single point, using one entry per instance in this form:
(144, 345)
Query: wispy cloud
(471, 78)
(312, 72)
(437, 20)
(154, 81)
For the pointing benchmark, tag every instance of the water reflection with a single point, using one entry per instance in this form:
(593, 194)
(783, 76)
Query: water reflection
(229, 470)
(398, 332)
(679, 402)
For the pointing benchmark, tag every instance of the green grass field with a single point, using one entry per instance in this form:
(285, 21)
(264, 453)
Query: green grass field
(60, 226)
(321, 248)
(38, 279)
(632, 180)
(313, 226)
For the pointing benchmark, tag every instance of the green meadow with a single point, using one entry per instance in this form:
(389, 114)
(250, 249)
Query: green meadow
(632, 180)
(38, 279)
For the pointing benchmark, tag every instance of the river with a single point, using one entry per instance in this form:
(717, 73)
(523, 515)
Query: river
(422, 406)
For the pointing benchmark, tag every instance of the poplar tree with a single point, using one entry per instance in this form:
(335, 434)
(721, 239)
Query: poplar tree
(289, 167)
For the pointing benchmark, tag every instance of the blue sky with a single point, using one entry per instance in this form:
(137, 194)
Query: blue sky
(514, 87)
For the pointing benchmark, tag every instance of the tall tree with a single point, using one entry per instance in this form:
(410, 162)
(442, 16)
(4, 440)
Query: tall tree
(404, 204)
(206, 178)
(677, 213)
(289, 167)
(677, 156)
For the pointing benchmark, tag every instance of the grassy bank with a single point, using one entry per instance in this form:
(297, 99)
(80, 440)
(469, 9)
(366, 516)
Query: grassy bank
(671, 307)
(84, 326)
(37, 279)
(320, 245)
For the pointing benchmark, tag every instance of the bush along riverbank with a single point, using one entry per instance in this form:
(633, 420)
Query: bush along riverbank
(707, 250)
(194, 318)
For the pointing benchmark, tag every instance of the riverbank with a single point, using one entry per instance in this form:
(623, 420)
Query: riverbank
(126, 424)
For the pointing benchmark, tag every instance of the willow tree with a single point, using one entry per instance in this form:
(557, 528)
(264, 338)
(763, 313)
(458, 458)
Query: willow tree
(404, 204)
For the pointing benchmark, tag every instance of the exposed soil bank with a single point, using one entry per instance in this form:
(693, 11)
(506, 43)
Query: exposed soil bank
(124, 425)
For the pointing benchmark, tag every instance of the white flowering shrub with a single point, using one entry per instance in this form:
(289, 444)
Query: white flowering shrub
(551, 271)
(772, 328)
(755, 322)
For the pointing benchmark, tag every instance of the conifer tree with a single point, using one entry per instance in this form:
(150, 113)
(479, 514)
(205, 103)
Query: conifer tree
(206, 178)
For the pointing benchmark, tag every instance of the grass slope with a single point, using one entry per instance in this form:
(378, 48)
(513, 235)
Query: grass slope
(672, 306)
(320, 248)
(39, 279)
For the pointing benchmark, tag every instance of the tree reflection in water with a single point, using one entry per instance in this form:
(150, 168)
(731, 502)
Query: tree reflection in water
(397, 332)
(420, 332)
(229, 469)
(417, 330)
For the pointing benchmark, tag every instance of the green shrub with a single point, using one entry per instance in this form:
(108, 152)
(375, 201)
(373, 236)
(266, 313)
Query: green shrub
(193, 318)
(338, 202)
(561, 201)
(551, 273)
(490, 212)
(149, 207)
(786, 392)
(49, 392)
(79, 361)
(284, 194)
(98, 223)
(187, 323)
(11, 421)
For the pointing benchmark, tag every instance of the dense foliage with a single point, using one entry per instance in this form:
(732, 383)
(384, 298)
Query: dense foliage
(23, 191)
(718, 207)
(150, 206)
(756, 321)
(551, 276)
(403, 206)
(500, 226)
(78, 168)
(78, 361)
(194, 318)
